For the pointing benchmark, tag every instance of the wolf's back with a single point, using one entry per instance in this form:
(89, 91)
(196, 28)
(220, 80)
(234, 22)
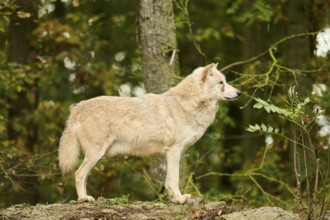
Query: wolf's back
(69, 148)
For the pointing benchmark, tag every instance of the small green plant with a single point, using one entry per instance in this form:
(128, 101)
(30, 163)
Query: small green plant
(312, 176)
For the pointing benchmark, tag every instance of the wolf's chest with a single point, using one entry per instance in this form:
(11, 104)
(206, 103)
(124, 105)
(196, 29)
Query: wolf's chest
(191, 135)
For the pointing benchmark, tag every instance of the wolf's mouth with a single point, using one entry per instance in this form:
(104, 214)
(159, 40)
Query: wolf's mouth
(238, 93)
(231, 98)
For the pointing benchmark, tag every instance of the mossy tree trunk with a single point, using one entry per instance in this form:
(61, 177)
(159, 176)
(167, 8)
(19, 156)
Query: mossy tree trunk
(157, 41)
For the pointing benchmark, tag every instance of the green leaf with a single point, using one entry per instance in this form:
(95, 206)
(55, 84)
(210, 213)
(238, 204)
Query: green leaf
(263, 102)
(270, 129)
(307, 100)
(268, 109)
(256, 127)
(251, 128)
(257, 105)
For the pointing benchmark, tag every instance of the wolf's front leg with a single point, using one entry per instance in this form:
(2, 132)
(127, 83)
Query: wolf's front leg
(173, 156)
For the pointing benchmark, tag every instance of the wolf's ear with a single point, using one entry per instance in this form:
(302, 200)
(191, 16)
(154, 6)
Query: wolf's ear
(208, 70)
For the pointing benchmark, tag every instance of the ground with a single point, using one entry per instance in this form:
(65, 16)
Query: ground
(123, 209)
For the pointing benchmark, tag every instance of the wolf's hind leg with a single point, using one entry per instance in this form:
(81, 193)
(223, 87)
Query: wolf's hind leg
(81, 175)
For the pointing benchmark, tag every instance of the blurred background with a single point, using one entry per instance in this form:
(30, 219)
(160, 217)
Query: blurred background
(55, 53)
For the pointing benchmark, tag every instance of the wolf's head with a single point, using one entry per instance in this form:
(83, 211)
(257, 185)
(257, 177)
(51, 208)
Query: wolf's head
(215, 85)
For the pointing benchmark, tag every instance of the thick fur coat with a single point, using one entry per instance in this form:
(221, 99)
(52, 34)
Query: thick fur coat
(152, 124)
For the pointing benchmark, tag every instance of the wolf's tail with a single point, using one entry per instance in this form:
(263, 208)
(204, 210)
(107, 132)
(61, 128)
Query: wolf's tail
(69, 148)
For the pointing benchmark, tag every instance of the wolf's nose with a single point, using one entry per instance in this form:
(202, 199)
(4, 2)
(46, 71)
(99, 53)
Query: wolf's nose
(238, 93)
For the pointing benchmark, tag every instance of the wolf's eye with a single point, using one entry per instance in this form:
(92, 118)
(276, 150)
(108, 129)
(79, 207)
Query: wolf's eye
(221, 82)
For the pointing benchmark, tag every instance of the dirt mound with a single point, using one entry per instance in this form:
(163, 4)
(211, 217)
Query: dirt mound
(122, 209)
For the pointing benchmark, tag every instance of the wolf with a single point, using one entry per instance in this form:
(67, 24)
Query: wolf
(153, 124)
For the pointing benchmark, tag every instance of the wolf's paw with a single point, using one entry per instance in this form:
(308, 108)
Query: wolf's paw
(86, 199)
(180, 199)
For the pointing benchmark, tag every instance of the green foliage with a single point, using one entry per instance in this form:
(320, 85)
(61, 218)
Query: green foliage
(98, 41)
(15, 80)
(313, 198)
(263, 128)
(260, 10)
(270, 107)
(289, 113)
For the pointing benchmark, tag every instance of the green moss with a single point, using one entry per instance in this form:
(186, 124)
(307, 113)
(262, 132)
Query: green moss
(118, 201)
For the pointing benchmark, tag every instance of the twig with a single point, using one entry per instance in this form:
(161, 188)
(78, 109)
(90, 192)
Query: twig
(270, 51)
(250, 175)
(325, 204)
(325, 209)
(296, 159)
(298, 177)
(250, 99)
(262, 80)
(172, 57)
(306, 176)
(183, 6)
(263, 191)
(299, 191)
(190, 182)
(316, 185)
(244, 61)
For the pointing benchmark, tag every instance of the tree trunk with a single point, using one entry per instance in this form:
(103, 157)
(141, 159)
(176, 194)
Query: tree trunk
(252, 46)
(298, 50)
(20, 31)
(157, 41)
(20, 51)
(254, 43)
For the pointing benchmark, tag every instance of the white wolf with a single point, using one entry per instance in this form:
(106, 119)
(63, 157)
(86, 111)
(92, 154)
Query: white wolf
(164, 124)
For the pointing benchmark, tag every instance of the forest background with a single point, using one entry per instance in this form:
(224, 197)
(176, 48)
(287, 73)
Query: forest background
(271, 147)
